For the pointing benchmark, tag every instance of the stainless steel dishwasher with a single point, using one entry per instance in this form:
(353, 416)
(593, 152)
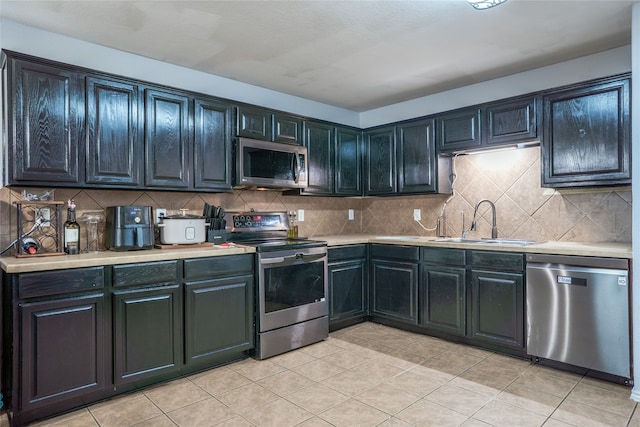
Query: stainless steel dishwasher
(578, 311)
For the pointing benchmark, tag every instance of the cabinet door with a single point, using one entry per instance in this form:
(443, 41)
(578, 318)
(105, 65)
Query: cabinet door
(47, 110)
(319, 142)
(287, 129)
(394, 290)
(497, 310)
(218, 318)
(212, 145)
(347, 290)
(348, 166)
(416, 158)
(511, 121)
(459, 130)
(167, 140)
(443, 300)
(63, 350)
(114, 138)
(587, 136)
(147, 333)
(380, 176)
(254, 123)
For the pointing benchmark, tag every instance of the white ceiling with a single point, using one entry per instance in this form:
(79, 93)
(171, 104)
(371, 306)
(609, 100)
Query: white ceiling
(357, 55)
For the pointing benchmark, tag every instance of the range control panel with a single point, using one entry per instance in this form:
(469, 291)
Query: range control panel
(261, 221)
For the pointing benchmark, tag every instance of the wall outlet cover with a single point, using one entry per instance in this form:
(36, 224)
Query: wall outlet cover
(159, 213)
(351, 215)
(300, 215)
(417, 215)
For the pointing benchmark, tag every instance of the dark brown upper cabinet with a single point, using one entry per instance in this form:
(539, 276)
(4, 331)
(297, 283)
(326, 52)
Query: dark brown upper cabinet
(167, 140)
(380, 170)
(459, 130)
(114, 135)
(513, 121)
(319, 140)
(266, 125)
(348, 166)
(587, 135)
(212, 145)
(416, 158)
(46, 112)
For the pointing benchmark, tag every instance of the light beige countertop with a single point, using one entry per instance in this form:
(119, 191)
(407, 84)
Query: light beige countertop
(23, 265)
(606, 249)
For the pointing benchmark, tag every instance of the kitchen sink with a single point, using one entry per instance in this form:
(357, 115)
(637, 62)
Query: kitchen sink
(516, 242)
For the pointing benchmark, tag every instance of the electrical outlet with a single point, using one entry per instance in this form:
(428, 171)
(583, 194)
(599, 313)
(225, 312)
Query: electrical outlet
(44, 215)
(417, 215)
(160, 212)
(300, 215)
(351, 215)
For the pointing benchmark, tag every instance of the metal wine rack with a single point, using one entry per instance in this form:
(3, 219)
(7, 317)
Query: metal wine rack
(41, 221)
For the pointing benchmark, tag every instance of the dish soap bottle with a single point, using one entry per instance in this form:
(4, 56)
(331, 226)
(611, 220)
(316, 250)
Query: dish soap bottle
(71, 231)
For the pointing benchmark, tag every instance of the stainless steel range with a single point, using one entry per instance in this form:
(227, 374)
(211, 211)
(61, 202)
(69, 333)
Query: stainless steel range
(291, 298)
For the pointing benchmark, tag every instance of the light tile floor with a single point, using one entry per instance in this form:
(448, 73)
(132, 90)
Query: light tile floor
(371, 375)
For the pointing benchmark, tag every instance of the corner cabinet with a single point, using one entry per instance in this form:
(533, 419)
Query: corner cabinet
(45, 107)
(587, 135)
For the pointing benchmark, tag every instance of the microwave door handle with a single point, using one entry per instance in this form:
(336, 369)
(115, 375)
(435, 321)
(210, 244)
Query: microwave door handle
(297, 168)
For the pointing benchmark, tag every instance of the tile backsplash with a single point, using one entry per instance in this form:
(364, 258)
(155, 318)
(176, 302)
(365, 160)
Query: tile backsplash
(511, 179)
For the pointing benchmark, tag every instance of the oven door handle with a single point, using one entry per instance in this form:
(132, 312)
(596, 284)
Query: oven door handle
(292, 258)
(275, 260)
(310, 258)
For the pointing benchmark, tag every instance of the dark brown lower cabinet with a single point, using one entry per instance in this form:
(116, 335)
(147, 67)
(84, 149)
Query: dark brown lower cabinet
(64, 351)
(443, 298)
(217, 319)
(147, 333)
(348, 285)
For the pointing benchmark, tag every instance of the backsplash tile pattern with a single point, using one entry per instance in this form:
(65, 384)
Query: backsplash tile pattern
(510, 179)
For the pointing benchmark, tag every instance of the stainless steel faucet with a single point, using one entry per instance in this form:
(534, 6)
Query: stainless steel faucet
(494, 227)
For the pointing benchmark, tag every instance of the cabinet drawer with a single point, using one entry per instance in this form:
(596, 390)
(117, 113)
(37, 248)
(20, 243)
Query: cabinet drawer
(206, 268)
(347, 252)
(31, 285)
(145, 273)
(444, 256)
(404, 253)
(502, 261)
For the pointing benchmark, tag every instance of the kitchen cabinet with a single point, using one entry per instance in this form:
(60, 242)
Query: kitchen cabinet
(348, 285)
(319, 140)
(219, 299)
(258, 123)
(380, 166)
(114, 142)
(416, 157)
(212, 145)
(348, 162)
(147, 321)
(497, 301)
(587, 133)
(335, 160)
(458, 130)
(511, 121)
(394, 283)
(45, 109)
(443, 290)
(167, 139)
(61, 349)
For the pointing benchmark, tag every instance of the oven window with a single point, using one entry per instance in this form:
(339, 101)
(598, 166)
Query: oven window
(293, 285)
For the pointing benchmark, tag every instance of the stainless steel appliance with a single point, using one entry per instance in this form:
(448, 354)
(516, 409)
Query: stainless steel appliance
(129, 228)
(291, 297)
(264, 164)
(578, 311)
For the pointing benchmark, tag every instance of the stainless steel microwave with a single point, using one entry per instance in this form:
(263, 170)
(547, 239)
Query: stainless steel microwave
(264, 164)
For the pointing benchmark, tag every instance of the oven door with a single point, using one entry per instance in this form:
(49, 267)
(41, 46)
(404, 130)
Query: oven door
(292, 287)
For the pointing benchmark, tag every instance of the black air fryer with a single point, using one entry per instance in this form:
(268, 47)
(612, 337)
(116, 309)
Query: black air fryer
(129, 228)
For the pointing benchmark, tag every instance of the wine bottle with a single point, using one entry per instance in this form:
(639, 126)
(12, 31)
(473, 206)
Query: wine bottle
(71, 231)
(29, 246)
